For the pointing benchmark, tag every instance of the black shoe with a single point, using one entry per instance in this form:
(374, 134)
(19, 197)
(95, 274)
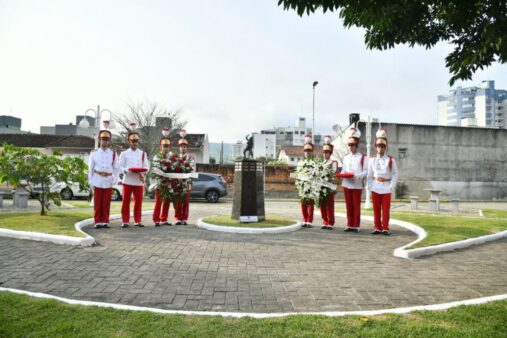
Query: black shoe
(178, 223)
(324, 227)
(386, 233)
(309, 225)
(98, 226)
(105, 226)
(139, 225)
(330, 227)
(166, 223)
(348, 230)
(157, 224)
(376, 232)
(303, 225)
(356, 230)
(184, 223)
(125, 225)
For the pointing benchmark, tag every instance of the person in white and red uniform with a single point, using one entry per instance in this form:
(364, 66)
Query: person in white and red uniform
(307, 206)
(103, 171)
(161, 209)
(354, 163)
(382, 179)
(327, 206)
(182, 206)
(133, 182)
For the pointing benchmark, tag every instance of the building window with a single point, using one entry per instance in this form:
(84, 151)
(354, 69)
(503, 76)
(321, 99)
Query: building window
(402, 152)
(292, 159)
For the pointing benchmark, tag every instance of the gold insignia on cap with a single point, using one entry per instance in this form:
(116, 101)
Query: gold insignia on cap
(165, 141)
(133, 137)
(104, 134)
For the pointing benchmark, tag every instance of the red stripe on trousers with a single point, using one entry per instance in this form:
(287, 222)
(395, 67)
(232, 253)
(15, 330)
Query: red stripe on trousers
(353, 204)
(327, 209)
(138, 191)
(181, 207)
(101, 204)
(381, 210)
(307, 210)
(161, 210)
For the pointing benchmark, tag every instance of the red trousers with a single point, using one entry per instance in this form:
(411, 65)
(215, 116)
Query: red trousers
(381, 210)
(307, 209)
(327, 209)
(161, 210)
(138, 191)
(101, 204)
(181, 206)
(353, 204)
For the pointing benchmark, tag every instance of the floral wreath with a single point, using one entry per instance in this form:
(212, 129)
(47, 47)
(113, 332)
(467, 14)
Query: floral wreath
(171, 188)
(313, 169)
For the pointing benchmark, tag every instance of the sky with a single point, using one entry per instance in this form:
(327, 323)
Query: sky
(233, 67)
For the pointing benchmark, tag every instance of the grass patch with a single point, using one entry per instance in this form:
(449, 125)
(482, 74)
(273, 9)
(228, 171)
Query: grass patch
(271, 221)
(494, 213)
(24, 316)
(56, 223)
(445, 229)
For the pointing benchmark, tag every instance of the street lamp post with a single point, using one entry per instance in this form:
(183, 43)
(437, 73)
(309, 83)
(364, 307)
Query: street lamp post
(315, 83)
(98, 113)
(367, 203)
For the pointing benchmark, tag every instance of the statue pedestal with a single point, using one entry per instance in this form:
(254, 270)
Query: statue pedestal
(248, 196)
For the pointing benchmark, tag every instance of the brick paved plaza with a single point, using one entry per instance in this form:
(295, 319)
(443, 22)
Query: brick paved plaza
(186, 268)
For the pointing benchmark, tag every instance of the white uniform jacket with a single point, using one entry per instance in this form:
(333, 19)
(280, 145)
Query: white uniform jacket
(133, 159)
(352, 164)
(382, 179)
(106, 162)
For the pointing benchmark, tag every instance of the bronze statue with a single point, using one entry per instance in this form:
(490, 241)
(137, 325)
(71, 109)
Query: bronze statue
(249, 147)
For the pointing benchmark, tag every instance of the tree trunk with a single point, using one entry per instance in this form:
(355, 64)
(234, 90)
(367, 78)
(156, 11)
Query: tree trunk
(42, 201)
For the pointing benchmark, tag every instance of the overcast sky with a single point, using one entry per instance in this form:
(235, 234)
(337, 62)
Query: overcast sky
(233, 66)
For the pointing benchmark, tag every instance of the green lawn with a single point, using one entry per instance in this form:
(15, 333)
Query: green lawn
(57, 222)
(493, 213)
(24, 316)
(446, 228)
(271, 221)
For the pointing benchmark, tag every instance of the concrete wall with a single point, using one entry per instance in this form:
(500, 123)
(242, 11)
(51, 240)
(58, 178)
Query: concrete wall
(466, 163)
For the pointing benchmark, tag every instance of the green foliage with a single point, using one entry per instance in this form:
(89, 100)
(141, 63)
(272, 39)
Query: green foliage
(476, 29)
(30, 168)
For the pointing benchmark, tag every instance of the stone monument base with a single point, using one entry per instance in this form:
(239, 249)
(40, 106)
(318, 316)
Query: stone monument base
(248, 196)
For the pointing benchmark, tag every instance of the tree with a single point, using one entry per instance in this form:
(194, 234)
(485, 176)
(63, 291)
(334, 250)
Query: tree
(145, 115)
(477, 29)
(30, 169)
(212, 160)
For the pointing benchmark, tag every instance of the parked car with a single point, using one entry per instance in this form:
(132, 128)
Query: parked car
(209, 186)
(73, 191)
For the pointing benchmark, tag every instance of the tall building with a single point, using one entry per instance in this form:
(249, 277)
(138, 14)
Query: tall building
(10, 125)
(478, 106)
(237, 150)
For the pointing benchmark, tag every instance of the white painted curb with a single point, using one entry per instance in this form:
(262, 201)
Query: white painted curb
(433, 307)
(238, 230)
(61, 239)
(402, 252)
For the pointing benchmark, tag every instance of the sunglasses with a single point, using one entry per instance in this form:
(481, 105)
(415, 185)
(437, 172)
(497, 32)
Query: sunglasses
(134, 141)
(380, 145)
(352, 145)
(166, 145)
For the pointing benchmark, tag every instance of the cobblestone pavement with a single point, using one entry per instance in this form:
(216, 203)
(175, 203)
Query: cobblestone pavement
(186, 268)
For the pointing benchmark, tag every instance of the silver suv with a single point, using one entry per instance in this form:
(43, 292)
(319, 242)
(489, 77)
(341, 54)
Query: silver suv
(209, 186)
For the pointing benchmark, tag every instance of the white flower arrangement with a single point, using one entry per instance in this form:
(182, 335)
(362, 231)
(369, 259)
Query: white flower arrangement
(314, 169)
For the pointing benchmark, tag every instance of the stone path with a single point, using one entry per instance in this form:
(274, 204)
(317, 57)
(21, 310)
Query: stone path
(186, 268)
